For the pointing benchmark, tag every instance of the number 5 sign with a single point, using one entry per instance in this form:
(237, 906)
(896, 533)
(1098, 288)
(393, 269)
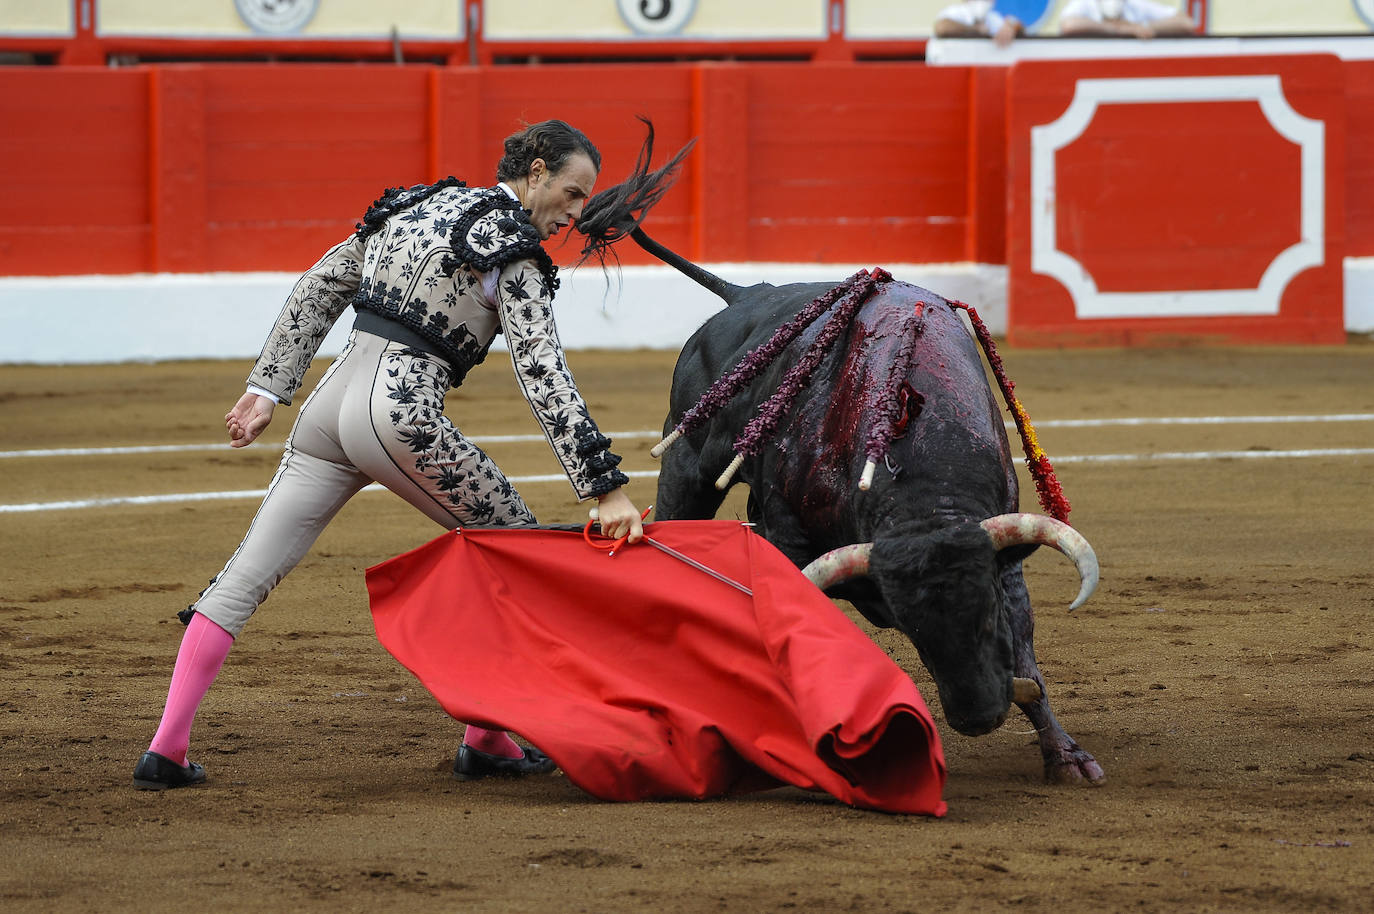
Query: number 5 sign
(656, 17)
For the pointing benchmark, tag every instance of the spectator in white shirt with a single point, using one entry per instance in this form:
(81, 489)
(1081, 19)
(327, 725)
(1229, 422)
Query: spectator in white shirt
(977, 19)
(1123, 19)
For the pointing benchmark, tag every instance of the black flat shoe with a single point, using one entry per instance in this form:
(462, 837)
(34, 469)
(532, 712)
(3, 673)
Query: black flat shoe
(157, 772)
(473, 765)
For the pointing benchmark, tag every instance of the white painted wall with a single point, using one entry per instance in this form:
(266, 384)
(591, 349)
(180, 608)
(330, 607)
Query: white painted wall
(156, 317)
(1359, 294)
(153, 317)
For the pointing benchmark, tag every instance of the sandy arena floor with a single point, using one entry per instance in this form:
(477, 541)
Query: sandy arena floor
(1223, 675)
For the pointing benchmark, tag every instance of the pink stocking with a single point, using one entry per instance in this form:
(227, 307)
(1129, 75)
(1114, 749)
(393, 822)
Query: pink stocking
(492, 742)
(203, 649)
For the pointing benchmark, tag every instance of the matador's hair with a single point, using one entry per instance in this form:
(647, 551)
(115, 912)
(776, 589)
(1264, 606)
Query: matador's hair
(553, 141)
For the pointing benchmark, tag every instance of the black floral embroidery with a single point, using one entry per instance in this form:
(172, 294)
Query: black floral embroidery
(537, 358)
(494, 231)
(418, 260)
(457, 345)
(418, 439)
(416, 213)
(397, 199)
(456, 472)
(515, 288)
(318, 298)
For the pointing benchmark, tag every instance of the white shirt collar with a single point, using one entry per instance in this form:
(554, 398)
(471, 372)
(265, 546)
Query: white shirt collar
(506, 187)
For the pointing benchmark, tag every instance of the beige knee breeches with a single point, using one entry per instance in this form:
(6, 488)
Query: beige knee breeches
(376, 415)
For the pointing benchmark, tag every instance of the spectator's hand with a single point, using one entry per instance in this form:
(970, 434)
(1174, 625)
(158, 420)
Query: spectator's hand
(1011, 27)
(248, 418)
(1144, 30)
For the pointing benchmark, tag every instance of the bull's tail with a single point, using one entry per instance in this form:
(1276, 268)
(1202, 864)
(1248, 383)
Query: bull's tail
(704, 278)
(617, 211)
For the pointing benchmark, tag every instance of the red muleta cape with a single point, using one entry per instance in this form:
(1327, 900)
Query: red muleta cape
(645, 678)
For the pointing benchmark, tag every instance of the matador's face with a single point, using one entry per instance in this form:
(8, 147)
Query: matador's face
(555, 198)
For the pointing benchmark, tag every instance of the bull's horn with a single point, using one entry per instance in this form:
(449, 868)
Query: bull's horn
(1024, 691)
(1023, 529)
(839, 565)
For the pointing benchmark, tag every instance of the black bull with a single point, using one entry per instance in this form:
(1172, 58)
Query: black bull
(934, 573)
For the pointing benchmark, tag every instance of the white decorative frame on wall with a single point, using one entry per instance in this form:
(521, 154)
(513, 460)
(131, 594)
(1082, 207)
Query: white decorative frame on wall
(1088, 301)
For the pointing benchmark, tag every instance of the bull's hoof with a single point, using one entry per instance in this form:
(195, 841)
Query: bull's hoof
(1076, 768)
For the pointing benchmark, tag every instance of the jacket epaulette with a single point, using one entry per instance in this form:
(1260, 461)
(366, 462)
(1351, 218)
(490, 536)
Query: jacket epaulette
(397, 199)
(494, 231)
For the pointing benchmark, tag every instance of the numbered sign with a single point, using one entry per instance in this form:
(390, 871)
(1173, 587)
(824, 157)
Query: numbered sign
(656, 17)
(276, 17)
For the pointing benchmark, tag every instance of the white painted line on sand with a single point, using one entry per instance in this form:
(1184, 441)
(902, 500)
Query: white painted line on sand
(241, 494)
(525, 439)
(1200, 420)
(648, 474)
(224, 446)
(1216, 455)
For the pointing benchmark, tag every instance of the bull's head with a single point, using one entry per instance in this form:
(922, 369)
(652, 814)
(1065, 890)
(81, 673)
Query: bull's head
(944, 590)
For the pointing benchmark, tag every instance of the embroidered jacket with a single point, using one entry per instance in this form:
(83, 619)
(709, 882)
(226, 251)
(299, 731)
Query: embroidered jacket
(427, 257)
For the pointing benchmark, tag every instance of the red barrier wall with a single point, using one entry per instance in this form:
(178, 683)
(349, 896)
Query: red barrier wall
(839, 171)
(262, 166)
(74, 156)
(190, 168)
(1359, 159)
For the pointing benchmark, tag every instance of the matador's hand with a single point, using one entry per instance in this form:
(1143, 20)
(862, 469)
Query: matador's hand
(248, 418)
(618, 516)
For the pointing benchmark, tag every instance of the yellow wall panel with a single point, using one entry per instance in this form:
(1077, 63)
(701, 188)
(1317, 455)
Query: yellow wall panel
(433, 19)
(36, 17)
(603, 20)
(553, 20)
(891, 18)
(1284, 17)
(167, 17)
(760, 18)
(417, 18)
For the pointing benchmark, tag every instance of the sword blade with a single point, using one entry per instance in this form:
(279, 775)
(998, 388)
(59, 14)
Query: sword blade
(669, 550)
